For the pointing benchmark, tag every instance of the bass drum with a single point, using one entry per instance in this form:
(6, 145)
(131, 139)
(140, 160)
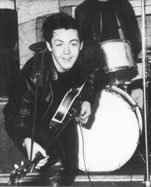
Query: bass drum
(111, 136)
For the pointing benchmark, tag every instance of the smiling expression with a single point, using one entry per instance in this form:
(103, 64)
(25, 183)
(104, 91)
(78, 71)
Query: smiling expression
(65, 48)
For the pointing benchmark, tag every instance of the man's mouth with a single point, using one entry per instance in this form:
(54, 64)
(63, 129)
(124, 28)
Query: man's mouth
(67, 59)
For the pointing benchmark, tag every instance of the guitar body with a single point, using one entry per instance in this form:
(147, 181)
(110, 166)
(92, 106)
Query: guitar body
(66, 106)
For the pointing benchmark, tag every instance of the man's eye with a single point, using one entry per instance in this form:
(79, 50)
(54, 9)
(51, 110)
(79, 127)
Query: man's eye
(59, 44)
(74, 44)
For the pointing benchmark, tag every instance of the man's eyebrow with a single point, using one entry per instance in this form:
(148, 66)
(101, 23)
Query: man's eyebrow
(56, 40)
(59, 40)
(74, 40)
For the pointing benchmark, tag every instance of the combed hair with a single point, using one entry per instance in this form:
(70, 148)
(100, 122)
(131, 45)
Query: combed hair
(59, 21)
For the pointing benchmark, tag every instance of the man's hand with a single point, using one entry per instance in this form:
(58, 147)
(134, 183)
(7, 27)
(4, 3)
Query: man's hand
(85, 112)
(36, 148)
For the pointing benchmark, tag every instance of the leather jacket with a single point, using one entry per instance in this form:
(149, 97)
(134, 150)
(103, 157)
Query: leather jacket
(37, 75)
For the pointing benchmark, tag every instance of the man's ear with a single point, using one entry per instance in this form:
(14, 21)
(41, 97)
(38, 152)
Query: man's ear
(81, 45)
(48, 46)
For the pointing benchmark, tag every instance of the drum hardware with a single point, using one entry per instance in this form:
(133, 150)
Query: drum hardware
(124, 86)
(147, 176)
(148, 50)
(140, 71)
(139, 60)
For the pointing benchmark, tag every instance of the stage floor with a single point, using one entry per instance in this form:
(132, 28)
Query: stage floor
(132, 174)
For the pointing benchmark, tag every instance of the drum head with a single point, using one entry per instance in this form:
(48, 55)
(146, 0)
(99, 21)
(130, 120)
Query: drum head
(112, 133)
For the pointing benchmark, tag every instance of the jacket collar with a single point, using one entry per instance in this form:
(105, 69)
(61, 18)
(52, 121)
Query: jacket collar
(48, 61)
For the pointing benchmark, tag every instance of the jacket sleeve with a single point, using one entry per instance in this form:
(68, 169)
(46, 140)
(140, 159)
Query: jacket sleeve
(93, 70)
(95, 82)
(130, 25)
(19, 108)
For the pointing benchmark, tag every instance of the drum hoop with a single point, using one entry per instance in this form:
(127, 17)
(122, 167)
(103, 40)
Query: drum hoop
(120, 68)
(116, 40)
(130, 101)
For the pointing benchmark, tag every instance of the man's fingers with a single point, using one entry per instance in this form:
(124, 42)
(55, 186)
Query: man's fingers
(42, 162)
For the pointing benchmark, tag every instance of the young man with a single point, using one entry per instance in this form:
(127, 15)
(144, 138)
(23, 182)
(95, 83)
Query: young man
(43, 82)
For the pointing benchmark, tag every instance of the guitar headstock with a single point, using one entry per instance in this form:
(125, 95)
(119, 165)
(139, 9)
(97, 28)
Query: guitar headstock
(13, 178)
(16, 174)
(20, 172)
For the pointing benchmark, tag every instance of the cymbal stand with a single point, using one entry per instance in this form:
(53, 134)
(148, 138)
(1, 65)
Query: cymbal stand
(147, 177)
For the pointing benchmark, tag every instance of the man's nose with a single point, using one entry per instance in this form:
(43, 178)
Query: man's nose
(66, 50)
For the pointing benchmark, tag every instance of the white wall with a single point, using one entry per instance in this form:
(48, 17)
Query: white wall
(7, 4)
(28, 11)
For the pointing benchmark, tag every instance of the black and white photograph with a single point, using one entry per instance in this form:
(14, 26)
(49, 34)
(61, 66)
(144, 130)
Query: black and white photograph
(75, 93)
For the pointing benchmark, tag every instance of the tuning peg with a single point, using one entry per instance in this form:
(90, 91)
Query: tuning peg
(22, 163)
(16, 166)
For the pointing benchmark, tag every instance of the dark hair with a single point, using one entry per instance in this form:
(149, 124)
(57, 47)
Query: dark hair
(59, 21)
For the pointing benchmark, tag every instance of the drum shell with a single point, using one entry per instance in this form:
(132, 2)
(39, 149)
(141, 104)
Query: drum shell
(120, 64)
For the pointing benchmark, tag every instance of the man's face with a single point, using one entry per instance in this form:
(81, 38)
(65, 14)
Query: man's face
(65, 47)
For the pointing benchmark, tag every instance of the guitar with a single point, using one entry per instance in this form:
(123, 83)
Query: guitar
(66, 106)
(66, 110)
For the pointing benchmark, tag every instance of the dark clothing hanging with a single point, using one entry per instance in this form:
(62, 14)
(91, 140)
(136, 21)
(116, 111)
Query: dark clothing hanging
(98, 21)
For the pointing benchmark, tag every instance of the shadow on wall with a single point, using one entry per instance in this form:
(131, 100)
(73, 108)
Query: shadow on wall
(9, 51)
(9, 154)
